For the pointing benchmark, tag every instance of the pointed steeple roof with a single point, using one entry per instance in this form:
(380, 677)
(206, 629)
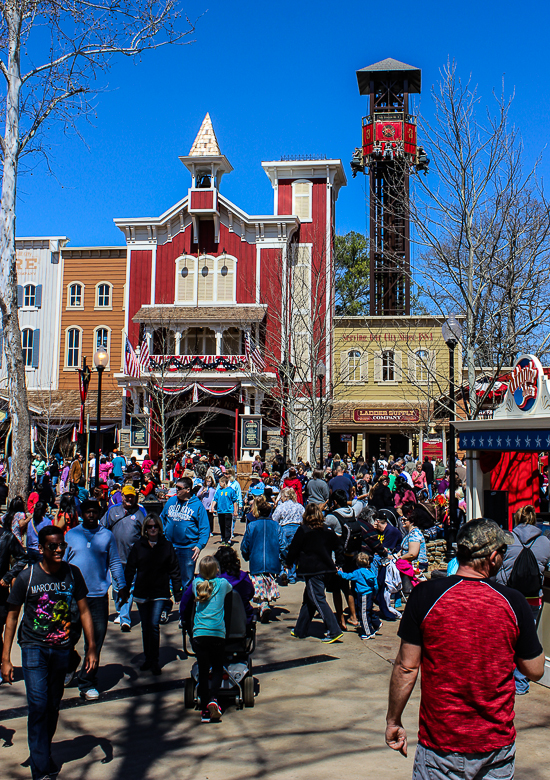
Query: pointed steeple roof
(206, 143)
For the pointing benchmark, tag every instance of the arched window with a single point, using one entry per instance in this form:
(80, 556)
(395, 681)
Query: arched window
(186, 278)
(388, 365)
(422, 365)
(354, 366)
(225, 278)
(29, 295)
(73, 345)
(27, 342)
(104, 296)
(102, 338)
(75, 295)
(301, 200)
(206, 279)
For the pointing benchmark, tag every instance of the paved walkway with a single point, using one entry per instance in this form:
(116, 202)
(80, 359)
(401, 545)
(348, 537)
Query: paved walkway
(319, 714)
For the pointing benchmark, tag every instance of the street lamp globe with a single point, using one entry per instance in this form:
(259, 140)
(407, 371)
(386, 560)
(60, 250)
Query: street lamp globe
(321, 369)
(101, 358)
(451, 331)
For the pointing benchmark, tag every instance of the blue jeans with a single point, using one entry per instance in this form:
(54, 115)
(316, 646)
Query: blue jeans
(149, 613)
(44, 670)
(187, 565)
(287, 533)
(99, 609)
(522, 682)
(124, 609)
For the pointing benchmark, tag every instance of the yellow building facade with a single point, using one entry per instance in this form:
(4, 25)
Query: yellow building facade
(391, 374)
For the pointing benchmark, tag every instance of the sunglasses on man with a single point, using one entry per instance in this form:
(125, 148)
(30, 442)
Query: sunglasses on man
(53, 546)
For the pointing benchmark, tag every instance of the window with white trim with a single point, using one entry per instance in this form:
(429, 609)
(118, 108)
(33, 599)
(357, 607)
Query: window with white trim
(102, 337)
(388, 366)
(73, 345)
(27, 339)
(354, 366)
(164, 341)
(29, 295)
(206, 279)
(301, 199)
(300, 302)
(75, 295)
(104, 296)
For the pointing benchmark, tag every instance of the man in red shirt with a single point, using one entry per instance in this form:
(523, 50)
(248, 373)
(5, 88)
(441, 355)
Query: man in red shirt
(466, 633)
(293, 482)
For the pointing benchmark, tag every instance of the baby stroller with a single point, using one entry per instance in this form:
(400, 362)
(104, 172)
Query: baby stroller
(240, 643)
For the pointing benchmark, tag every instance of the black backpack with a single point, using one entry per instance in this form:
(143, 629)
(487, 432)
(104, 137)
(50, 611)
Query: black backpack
(525, 575)
(352, 533)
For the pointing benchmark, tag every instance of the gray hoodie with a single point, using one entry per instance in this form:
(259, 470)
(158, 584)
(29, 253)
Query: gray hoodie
(540, 547)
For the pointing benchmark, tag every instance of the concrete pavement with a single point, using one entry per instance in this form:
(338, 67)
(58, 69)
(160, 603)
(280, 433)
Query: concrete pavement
(319, 714)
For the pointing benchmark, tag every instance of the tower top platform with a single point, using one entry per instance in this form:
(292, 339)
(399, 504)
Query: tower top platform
(389, 68)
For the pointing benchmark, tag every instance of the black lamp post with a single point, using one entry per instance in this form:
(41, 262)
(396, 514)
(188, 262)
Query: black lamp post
(101, 361)
(321, 373)
(452, 335)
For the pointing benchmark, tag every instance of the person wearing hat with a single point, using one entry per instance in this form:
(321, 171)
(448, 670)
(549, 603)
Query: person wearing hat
(466, 633)
(94, 550)
(125, 521)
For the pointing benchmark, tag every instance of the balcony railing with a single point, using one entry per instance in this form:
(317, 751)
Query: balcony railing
(196, 363)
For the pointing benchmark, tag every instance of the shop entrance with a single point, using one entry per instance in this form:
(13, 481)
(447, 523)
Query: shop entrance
(398, 444)
(215, 428)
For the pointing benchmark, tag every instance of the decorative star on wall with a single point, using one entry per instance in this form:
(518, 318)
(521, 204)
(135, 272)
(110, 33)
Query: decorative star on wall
(499, 442)
(490, 441)
(481, 440)
(518, 441)
(527, 441)
(537, 441)
(508, 441)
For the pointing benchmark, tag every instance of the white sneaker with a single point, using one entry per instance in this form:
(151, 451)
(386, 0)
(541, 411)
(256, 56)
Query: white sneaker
(117, 619)
(92, 694)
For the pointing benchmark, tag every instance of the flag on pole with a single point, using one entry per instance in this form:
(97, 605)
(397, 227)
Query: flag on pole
(253, 355)
(131, 363)
(144, 356)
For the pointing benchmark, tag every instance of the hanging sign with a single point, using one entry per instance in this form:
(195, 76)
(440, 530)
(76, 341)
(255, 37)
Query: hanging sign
(524, 383)
(386, 415)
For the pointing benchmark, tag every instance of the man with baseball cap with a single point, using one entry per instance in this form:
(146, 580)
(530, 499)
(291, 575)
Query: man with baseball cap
(466, 633)
(125, 521)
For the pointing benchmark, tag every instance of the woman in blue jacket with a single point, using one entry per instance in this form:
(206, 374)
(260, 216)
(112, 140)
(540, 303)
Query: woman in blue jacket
(261, 547)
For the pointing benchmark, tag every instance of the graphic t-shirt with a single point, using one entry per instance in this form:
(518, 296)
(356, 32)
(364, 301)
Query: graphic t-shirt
(49, 601)
(225, 499)
(470, 631)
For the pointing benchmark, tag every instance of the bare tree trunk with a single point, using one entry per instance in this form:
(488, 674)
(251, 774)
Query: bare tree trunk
(17, 388)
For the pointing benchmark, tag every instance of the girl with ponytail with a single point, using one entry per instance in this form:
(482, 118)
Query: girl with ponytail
(210, 591)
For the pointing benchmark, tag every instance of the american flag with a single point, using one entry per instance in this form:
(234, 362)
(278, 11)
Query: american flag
(255, 355)
(131, 363)
(144, 356)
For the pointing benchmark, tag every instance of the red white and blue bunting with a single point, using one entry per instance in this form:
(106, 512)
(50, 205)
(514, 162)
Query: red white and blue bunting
(196, 362)
(196, 387)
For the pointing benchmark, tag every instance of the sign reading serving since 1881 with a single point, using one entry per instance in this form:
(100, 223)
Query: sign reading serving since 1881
(386, 415)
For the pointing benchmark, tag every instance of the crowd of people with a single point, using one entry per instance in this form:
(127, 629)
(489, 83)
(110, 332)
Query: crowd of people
(353, 533)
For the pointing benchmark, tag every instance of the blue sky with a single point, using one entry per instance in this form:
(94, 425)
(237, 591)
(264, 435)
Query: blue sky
(277, 79)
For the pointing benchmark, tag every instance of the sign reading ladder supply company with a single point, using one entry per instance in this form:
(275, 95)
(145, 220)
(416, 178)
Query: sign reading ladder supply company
(385, 415)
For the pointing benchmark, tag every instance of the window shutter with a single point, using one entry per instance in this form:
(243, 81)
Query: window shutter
(225, 283)
(20, 295)
(397, 359)
(364, 366)
(185, 292)
(38, 296)
(412, 367)
(377, 366)
(35, 348)
(206, 283)
(344, 366)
